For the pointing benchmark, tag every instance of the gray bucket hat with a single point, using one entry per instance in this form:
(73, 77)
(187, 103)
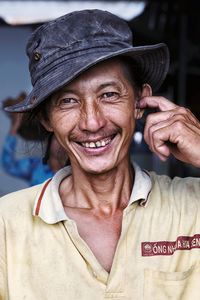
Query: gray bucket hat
(62, 49)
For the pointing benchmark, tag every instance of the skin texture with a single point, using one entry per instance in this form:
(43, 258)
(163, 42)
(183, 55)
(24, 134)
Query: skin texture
(98, 105)
(103, 105)
(173, 130)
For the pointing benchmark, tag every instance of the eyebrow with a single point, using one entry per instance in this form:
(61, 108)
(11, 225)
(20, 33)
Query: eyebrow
(100, 87)
(107, 84)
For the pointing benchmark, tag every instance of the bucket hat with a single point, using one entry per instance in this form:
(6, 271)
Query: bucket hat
(62, 49)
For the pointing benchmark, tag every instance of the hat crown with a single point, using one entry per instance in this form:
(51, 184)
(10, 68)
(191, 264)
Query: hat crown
(62, 49)
(76, 30)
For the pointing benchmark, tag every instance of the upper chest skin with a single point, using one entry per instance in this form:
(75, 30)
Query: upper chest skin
(100, 232)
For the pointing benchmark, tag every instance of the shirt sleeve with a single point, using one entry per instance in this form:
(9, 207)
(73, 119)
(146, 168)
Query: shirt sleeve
(21, 168)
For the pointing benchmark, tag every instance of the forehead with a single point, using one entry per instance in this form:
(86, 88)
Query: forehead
(111, 71)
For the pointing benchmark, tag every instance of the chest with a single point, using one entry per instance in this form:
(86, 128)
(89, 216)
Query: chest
(100, 233)
(59, 260)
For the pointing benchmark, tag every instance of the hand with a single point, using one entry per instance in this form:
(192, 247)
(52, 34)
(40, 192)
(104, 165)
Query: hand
(172, 130)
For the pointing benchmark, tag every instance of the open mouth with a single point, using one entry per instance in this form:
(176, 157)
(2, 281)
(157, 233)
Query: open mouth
(98, 144)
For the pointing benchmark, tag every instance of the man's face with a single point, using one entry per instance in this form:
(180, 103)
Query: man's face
(93, 118)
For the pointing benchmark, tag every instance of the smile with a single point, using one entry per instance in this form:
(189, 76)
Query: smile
(97, 144)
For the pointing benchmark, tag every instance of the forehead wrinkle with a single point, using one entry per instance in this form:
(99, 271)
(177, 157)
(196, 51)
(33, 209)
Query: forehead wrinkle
(98, 83)
(98, 78)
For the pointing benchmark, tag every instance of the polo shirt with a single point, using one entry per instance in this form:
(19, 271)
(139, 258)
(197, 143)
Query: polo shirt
(43, 257)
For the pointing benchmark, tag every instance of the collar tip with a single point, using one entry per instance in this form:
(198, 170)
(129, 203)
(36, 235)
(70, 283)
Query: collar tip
(143, 202)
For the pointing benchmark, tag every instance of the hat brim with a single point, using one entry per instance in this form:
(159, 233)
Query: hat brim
(153, 61)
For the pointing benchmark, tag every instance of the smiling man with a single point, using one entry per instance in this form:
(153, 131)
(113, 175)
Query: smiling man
(101, 227)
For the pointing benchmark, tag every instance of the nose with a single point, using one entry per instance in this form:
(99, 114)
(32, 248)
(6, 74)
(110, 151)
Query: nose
(92, 118)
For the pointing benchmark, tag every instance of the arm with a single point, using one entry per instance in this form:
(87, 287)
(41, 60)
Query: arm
(172, 130)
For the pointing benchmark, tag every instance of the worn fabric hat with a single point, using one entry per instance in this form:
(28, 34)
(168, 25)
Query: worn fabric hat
(62, 49)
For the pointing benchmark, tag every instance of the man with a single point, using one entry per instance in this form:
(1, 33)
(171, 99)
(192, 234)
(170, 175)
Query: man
(102, 228)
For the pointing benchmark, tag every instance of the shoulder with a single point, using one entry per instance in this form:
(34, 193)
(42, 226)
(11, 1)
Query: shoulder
(19, 202)
(182, 190)
(191, 184)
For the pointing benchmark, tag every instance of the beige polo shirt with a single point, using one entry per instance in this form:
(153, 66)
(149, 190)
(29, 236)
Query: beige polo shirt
(158, 255)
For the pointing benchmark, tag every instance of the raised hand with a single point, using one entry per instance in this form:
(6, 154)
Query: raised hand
(172, 130)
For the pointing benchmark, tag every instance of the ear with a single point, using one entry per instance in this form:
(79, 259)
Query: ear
(146, 92)
(46, 124)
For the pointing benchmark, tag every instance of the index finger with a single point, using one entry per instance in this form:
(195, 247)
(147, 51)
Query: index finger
(159, 102)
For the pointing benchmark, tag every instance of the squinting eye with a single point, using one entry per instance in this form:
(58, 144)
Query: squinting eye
(68, 101)
(110, 95)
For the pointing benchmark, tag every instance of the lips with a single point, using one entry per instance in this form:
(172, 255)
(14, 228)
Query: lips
(97, 144)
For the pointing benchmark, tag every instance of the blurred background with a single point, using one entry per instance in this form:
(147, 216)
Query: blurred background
(174, 22)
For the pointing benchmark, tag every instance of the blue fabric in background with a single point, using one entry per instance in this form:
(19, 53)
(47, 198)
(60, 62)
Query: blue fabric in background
(30, 169)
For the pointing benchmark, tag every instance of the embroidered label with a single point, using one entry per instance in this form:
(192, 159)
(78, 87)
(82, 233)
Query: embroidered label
(168, 248)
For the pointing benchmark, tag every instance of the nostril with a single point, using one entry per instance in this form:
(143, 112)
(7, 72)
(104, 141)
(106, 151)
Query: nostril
(92, 122)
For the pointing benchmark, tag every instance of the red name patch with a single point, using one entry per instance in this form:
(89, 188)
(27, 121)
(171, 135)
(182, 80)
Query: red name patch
(168, 248)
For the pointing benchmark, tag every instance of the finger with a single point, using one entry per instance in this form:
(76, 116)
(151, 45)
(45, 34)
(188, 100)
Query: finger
(161, 119)
(177, 139)
(160, 103)
(173, 124)
(151, 135)
(157, 117)
(160, 142)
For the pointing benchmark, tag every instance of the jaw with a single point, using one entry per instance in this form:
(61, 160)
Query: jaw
(99, 155)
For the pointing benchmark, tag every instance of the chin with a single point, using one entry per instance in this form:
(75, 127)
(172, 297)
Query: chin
(98, 168)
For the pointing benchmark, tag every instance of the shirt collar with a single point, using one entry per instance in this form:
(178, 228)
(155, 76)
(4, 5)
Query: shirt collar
(142, 186)
(48, 205)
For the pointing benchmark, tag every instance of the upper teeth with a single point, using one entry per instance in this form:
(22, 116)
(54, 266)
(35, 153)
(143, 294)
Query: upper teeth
(97, 144)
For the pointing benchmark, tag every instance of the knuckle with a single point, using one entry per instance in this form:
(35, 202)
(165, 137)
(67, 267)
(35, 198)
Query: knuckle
(179, 117)
(162, 98)
(149, 119)
(155, 134)
(151, 131)
(183, 110)
(178, 125)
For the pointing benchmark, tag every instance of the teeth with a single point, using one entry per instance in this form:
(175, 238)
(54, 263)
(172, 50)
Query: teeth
(98, 144)
(92, 145)
(101, 143)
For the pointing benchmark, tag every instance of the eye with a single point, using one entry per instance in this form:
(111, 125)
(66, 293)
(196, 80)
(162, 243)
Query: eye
(66, 102)
(110, 95)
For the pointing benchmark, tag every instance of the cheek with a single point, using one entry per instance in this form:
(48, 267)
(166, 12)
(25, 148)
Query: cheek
(123, 116)
(62, 122)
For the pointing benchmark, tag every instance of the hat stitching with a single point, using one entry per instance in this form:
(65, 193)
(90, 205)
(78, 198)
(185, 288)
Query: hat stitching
(102, 42)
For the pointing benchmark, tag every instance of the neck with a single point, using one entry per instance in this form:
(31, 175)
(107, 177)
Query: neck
(106, 192)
